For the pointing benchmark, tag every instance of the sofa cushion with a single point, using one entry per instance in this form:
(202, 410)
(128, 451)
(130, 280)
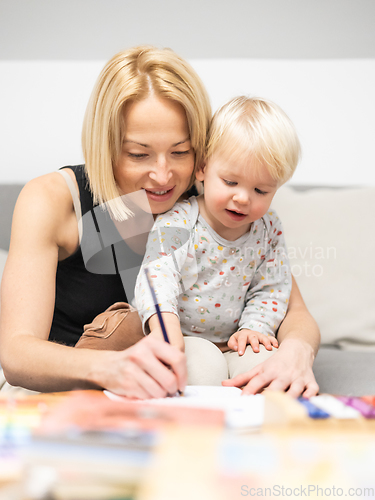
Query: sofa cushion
(331, 245)
(8, 196)
(3, 258)
(345, 373)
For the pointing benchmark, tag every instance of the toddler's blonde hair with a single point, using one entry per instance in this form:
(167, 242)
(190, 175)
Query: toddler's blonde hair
(256, 128)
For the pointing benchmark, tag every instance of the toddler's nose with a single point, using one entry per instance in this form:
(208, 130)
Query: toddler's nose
(241, 197)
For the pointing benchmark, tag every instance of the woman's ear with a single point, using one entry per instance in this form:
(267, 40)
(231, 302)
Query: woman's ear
(199, 175)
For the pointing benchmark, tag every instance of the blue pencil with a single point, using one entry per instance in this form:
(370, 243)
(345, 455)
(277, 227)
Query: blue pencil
(160, 317)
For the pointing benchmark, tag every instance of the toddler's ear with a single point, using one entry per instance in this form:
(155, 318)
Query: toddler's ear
(200, 172)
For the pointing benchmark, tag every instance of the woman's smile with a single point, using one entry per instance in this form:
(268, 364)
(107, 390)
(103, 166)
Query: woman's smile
(160, 195)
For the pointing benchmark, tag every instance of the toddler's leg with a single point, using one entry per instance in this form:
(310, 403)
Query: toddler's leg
(241, 364)
(206, 364)
(116, 329)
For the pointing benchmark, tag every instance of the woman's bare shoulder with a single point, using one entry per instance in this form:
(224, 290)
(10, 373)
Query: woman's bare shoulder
(48, 188)
(44, 205)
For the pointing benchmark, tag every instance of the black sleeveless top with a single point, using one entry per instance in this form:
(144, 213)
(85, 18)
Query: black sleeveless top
(80, 294)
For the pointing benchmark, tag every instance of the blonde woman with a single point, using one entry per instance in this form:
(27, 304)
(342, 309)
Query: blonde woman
(144, 131)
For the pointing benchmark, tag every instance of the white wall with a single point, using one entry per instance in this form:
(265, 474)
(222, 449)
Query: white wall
(331, 102)
(316, 58)
(196, 29)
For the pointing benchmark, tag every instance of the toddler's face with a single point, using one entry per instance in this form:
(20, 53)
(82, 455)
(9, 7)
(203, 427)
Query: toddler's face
(236, 193)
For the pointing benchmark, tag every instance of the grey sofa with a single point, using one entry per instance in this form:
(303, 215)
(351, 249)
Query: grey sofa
(345, 363)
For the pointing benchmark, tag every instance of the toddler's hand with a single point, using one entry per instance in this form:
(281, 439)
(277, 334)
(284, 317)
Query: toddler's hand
(239, 340)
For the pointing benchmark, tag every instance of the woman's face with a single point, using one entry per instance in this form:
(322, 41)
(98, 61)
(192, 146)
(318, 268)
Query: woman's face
(156, 152)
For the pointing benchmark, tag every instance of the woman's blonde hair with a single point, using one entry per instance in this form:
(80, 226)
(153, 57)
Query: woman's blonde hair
(132, 75)
(252, 127)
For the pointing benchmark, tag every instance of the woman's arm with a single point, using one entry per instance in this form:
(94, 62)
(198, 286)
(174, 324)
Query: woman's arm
(44, 229)
(290, 368)
(298, 324)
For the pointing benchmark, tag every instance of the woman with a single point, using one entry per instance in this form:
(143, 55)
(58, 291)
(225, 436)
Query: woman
(144, 129)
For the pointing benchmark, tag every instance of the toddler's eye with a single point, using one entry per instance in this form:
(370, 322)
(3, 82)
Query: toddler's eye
(259, 191)
(230, 183)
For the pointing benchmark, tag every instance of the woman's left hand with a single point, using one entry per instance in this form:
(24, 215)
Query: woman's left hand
(289, 369)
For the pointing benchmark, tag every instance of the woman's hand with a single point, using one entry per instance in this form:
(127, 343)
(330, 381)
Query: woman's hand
(289, 369)
(149, 369)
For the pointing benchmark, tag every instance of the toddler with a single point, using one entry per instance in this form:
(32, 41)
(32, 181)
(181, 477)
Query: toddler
(218, 261)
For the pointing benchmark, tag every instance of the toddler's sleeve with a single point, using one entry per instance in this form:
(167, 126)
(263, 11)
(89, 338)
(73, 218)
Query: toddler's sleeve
(267, 298)
(170, 262)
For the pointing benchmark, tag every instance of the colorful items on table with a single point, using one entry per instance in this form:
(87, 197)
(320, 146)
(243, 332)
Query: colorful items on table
(340, 407)
(366, 409)
(313, 410)
(369, 399)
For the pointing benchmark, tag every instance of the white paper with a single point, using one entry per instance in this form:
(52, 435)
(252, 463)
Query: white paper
(240, 411)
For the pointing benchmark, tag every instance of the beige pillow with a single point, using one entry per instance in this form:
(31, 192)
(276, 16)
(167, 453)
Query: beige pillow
(330, 234)
(3, 258)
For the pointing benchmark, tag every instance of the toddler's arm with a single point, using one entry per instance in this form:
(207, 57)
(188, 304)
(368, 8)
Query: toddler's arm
(167, 258)
(267, 298)
(172, 325)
